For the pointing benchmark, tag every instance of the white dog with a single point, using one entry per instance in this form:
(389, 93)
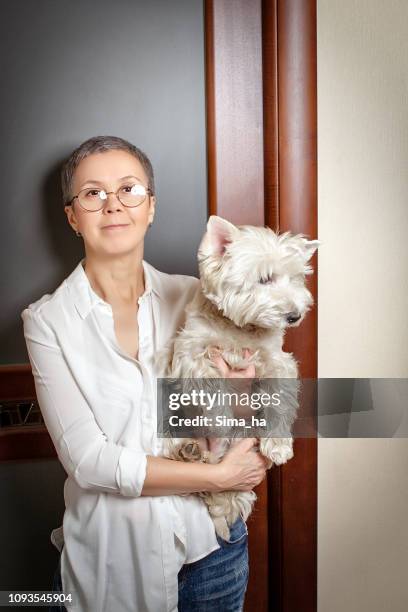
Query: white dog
(252, 289)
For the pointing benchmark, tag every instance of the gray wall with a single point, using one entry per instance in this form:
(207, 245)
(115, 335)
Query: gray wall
(71, 70)
(74, 69)
(32, 505)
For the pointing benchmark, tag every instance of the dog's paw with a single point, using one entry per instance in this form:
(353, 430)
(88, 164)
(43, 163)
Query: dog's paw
(277, 450)
(192, 452)
(282, 455)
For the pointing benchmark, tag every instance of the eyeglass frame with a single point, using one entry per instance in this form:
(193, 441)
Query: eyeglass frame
(148, 192)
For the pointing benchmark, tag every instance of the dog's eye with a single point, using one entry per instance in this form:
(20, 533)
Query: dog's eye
(268, 279)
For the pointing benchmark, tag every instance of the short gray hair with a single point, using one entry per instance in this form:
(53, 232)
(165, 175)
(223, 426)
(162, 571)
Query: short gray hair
(100, 144)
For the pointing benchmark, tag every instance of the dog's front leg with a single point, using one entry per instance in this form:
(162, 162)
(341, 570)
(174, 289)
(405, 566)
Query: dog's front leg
(280, 415)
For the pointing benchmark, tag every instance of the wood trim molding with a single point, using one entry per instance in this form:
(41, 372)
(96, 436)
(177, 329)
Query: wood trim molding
(22, 442)
(236, 177)
(26, 444)
(270, 112)
(16, 383)
(234, 109)
(296, 484)
(284, 162)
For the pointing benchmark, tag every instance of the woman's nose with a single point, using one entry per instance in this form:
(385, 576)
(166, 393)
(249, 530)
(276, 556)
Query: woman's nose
(113, 202)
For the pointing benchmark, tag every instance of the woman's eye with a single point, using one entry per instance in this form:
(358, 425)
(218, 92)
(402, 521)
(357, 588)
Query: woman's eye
(138, 190)
(92, 193)
(127, 188)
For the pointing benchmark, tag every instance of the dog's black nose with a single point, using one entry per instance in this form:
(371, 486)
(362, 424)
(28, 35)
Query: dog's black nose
(292, 317)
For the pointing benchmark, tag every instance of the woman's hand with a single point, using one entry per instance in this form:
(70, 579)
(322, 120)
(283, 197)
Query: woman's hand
(243, 378)
(225, 370)
(242, 468)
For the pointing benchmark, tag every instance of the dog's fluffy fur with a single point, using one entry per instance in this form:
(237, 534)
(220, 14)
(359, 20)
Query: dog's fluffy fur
(252, 289)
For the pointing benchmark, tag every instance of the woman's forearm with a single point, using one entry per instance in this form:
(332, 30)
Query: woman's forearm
(168, 477)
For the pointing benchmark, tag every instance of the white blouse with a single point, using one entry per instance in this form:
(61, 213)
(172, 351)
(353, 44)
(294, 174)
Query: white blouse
(120, 551)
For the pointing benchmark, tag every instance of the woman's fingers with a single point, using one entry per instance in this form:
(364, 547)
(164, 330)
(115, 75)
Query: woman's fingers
(245, 469)
(248, 372)
(221, 365)
(245, 444)
(225, 370)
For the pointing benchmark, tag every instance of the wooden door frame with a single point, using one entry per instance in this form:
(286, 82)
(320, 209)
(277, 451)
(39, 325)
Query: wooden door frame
(261, 98)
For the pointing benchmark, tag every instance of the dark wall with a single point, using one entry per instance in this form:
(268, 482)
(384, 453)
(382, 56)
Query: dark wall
(32, 505)
(72, 69)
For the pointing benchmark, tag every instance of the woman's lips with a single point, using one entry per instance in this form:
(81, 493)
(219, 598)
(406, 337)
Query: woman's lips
(115, 227)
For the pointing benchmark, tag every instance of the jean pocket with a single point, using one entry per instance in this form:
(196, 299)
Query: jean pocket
(238, 531)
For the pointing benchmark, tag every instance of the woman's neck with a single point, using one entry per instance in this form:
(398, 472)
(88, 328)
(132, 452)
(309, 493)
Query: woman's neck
(117, 281)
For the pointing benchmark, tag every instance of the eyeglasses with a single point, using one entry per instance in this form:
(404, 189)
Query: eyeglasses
(130, 195)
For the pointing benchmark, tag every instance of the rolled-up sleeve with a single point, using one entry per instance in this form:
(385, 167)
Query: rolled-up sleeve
(81, 445)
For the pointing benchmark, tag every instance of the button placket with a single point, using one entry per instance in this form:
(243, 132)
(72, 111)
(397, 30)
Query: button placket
(142, 319)
(145, 357)
(147, 395)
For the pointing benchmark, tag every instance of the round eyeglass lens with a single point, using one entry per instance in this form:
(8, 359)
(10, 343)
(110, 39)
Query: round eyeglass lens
(91, 199)
(132, 195)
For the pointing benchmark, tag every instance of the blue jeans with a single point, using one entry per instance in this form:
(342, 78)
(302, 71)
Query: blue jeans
(216, 582)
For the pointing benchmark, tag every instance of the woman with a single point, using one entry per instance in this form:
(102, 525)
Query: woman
(129, 540)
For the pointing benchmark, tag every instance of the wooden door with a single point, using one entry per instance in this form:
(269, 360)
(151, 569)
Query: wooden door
(262, 135)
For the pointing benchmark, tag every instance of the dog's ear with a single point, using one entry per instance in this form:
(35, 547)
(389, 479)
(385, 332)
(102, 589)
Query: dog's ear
(310, 247)
(220, 232)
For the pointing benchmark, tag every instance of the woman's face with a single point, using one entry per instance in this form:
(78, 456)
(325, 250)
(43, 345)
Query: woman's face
(109, 171)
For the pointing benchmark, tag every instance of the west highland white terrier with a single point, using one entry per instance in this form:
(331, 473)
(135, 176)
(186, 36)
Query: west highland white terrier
(252, 290)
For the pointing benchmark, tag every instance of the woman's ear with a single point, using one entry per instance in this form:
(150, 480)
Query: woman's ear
(71, 217)
(152, 207)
